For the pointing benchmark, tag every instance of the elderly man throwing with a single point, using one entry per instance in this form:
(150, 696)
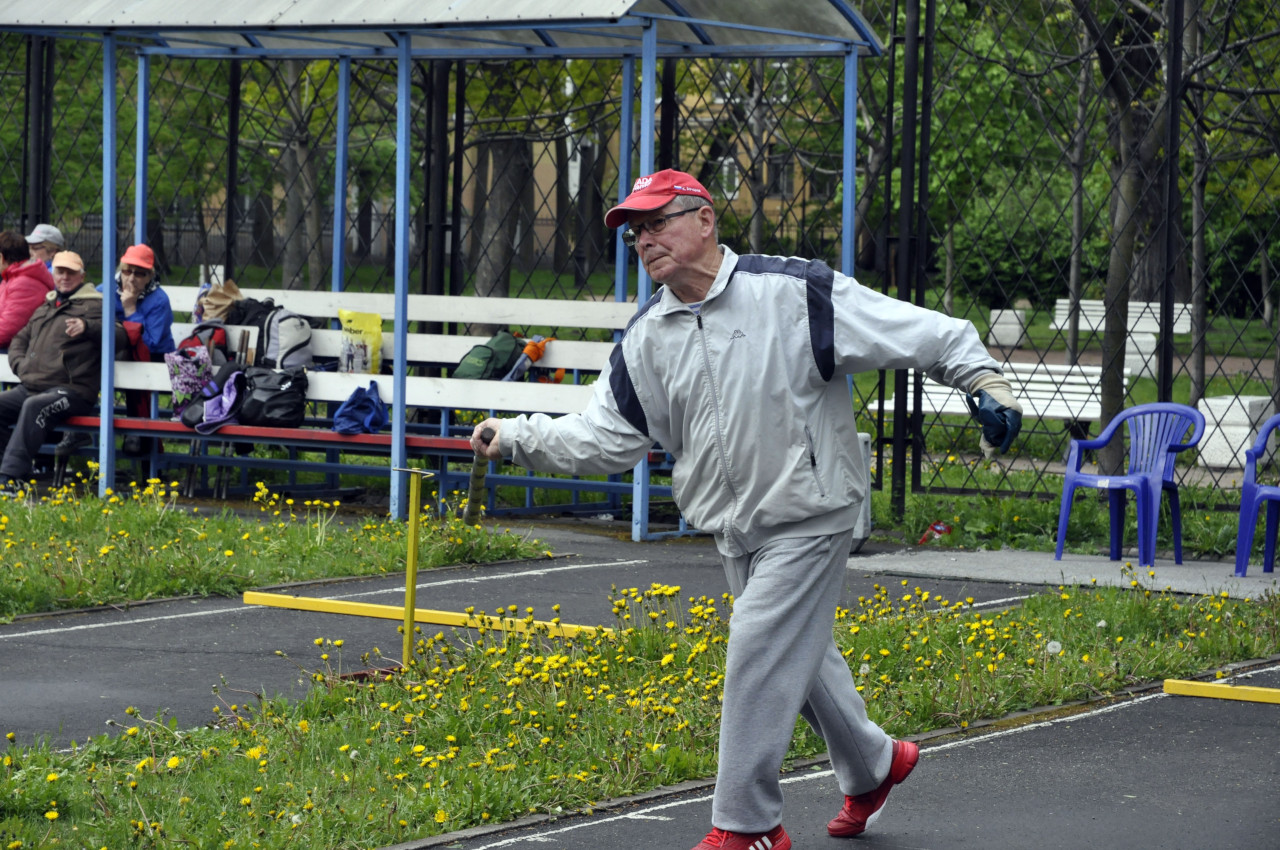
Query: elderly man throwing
(57, 357)
(737, 367)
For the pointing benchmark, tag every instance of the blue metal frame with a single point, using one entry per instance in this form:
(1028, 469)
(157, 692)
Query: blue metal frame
(399, 480)
(106, 431)
(474, 41)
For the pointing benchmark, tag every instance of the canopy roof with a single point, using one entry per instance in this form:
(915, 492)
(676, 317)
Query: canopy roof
(456, 28)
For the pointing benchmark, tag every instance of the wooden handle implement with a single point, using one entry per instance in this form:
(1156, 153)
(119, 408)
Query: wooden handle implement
(475, 491)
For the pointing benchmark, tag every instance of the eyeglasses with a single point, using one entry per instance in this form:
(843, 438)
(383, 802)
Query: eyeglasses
(131, 272)
(653, 225)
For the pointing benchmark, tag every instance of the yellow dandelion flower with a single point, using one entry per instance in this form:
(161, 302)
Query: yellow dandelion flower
(52, 777)
(51, 815)
(441, 817)
(173, 762)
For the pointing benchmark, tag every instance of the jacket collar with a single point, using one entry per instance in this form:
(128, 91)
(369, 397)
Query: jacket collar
(669, 303)
(86, 291)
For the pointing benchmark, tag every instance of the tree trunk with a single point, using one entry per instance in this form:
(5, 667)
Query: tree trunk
(291, 262)
(497, 237)
(566, 221)
(264, 231)
(1124, 231)
(1075, 286)
(479, 203)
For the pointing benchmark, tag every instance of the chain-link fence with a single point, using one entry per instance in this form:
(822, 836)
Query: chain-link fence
(1097, 188)
(1038, 198)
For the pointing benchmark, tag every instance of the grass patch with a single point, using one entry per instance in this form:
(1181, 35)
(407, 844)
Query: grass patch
(61, 551)
(490, 725)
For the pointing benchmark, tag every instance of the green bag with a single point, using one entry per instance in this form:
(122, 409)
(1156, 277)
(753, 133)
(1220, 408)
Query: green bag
(491, 360)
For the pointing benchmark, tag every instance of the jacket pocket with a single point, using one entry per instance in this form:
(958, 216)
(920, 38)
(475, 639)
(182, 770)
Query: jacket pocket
(813, 462)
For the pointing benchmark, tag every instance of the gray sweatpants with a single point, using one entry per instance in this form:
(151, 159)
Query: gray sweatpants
(783, 662)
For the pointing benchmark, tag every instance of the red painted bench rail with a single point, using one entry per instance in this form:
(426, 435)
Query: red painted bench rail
(176, 430)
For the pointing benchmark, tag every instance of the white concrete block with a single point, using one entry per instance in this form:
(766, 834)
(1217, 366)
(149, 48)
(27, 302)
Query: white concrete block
(1251, 410)
(1008, 328)
(1231, 428)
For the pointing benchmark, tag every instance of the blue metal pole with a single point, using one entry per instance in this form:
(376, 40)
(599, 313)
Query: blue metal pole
(849, 204)
(648, 97)
(622, 256)
(399, 455)
(106, 428)
(340, 165)
(141, 155)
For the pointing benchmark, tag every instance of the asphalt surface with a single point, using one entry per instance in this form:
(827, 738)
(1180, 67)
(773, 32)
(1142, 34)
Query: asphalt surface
(1152, 771)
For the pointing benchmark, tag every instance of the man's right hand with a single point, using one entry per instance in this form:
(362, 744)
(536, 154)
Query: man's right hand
(489, 449)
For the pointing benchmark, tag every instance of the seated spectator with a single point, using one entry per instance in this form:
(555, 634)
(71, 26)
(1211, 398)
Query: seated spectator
(57, 357)
(24, 282)
(139, 299)
(144, 310)
(45, 241)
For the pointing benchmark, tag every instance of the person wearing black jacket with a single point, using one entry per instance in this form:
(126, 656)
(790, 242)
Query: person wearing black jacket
(57, 357)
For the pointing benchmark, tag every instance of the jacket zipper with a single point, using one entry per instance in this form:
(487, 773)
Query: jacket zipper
(813, 461)
(715, 399)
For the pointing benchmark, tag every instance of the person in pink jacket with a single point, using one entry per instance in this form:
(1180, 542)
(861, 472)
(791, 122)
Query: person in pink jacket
(24, 282)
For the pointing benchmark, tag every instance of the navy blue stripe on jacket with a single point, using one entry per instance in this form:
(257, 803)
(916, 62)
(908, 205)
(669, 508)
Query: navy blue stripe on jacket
(819, 280)
(624, 391)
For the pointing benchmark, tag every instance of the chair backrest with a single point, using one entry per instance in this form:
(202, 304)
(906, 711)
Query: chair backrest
(1258, 451)
(1157, 432)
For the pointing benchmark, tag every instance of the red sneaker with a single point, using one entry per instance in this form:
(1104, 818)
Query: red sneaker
(774, 839)
(861, 811)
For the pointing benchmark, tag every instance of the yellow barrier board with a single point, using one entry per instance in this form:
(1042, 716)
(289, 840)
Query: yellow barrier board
(420, 615)
(1219, 690)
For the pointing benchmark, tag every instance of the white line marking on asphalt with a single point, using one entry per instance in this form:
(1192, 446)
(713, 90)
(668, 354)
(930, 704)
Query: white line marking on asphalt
(243, 608)
(1009, 600)
(139, 621)
(494, 577)
(542, 837)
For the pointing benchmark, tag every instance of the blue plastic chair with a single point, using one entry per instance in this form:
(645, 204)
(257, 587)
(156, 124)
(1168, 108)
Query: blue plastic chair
(1156, 432)
(1252, 496)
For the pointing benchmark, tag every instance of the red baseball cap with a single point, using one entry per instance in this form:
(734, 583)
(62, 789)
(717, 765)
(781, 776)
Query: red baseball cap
(139, 255)
(654, 192)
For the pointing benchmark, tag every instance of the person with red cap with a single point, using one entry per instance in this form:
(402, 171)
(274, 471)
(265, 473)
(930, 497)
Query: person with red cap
(737, 367)
(144, 310)
(24, 282)
(140, 299)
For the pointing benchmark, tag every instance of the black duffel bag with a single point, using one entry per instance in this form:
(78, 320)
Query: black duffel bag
(274, 398)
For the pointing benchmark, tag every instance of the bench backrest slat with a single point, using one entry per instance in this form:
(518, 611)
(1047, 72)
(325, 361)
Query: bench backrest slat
(523, 312)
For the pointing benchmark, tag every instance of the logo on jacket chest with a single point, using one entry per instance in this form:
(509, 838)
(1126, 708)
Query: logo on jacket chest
(737, 334)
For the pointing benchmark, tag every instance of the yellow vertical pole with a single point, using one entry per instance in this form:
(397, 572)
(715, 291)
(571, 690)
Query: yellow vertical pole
(411, 566)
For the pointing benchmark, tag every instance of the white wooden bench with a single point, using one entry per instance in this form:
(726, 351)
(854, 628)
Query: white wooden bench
(1045, 391)
(580, 358)
(1143, 326)
(1144, 316)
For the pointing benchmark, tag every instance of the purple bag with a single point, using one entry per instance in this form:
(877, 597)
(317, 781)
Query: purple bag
(222, 408)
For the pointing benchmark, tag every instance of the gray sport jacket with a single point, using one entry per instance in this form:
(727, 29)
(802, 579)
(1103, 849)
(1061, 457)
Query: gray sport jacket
(749, 395)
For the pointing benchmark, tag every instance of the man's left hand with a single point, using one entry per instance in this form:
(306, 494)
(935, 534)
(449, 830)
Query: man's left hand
(997, 411)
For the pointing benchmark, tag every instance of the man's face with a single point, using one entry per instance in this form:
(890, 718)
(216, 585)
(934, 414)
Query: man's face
(679, 242)
(42, 251)
(67, 280)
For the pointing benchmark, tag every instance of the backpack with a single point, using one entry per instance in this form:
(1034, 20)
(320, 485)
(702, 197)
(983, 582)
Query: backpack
(275, 399)
(284, 337)
(211, 336)
(491, 360)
